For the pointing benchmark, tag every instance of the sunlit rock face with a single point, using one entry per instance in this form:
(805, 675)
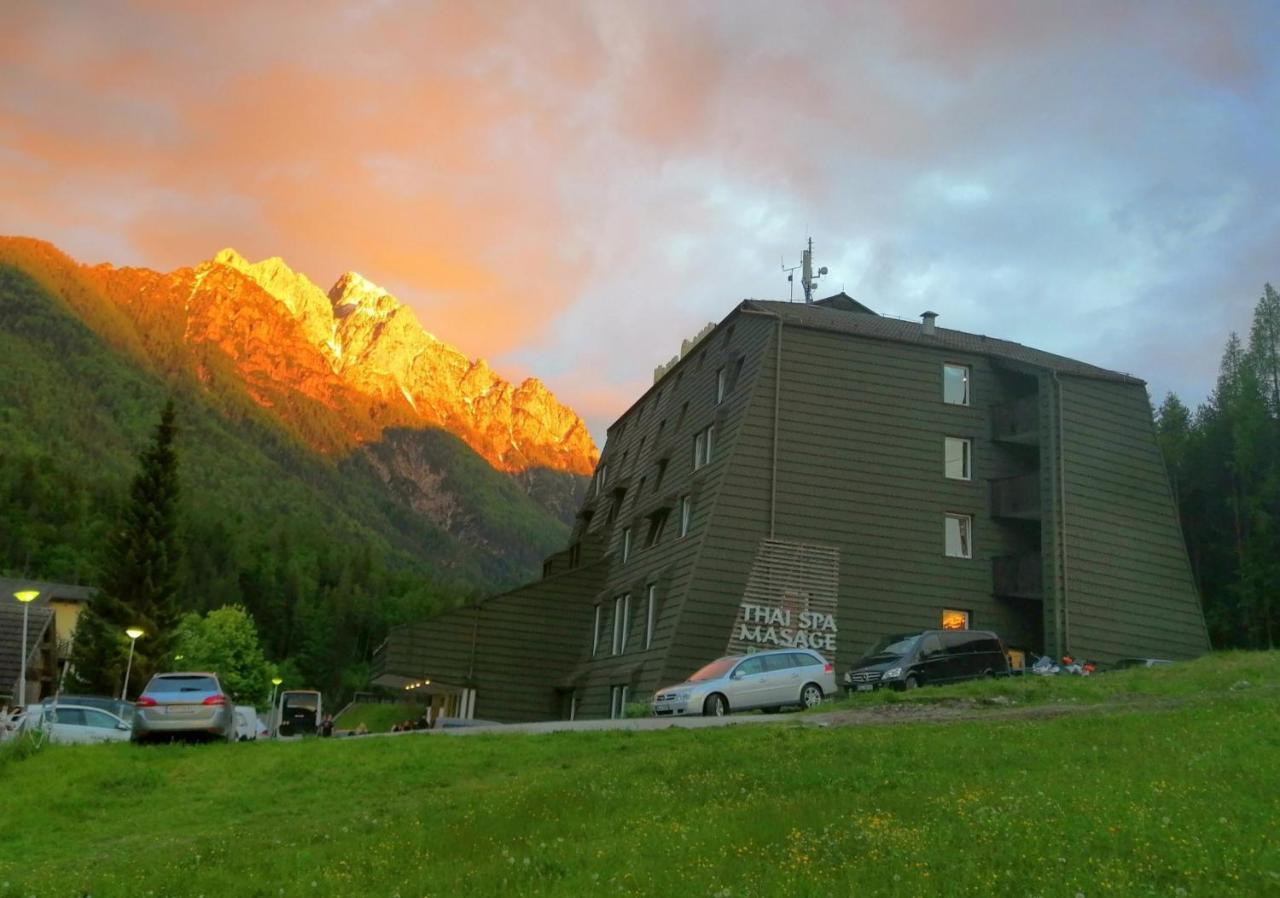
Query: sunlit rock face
(376, 347)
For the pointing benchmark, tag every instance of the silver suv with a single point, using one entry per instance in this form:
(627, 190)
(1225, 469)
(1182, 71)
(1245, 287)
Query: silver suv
(769, 680)
(183, 704)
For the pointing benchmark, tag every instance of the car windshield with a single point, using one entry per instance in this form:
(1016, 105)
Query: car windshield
(892, 647)
(183, 684)
(713, 671)
(302, 701)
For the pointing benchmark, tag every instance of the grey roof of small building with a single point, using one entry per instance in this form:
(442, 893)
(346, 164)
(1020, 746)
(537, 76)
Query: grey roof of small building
(11, 640)
(838, 317)
(58, 592)
(41, 616)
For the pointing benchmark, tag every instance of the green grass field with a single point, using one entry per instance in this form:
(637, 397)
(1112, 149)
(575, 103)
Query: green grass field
(1167, 788)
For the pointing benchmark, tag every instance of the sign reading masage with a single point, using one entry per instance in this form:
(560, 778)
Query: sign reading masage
(765, 627)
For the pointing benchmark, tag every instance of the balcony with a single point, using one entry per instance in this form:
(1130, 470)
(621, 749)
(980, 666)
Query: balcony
(1017, 576)
(1017, 421)
(1016, 497)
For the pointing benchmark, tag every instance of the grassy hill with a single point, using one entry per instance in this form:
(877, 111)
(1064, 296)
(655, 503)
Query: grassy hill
(1164, 786)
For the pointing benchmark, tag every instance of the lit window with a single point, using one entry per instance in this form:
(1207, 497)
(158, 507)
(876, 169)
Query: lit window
(703, 446)
(686, 514)
(722, 382)
(957, 453)
(621, 617)
(626, 545)
(650, 615)
(955, 384)
(595, 634)
(959, 529)
(955, 620)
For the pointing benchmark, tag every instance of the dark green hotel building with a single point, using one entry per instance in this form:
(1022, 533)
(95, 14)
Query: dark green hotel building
(817, 475)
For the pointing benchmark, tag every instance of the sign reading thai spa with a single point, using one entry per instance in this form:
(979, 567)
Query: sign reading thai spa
(790, 600)
(781, 628)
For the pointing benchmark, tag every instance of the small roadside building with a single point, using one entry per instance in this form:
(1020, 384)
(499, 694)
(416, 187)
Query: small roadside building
(817, 475)
(51, 623)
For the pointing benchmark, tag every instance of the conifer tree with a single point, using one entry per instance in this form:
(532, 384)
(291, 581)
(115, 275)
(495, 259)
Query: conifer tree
(139, 585)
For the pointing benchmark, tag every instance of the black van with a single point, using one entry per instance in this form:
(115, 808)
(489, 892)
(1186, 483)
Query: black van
(908, 660)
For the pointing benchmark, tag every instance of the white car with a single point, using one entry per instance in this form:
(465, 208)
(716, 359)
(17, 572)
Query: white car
(769, 680)
(76, 724)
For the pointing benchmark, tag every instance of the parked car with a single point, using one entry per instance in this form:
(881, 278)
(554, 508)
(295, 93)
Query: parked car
(769, 680)
(297, 712)
(117, 706)
(908, 660)
(76, 724)
(183, 704)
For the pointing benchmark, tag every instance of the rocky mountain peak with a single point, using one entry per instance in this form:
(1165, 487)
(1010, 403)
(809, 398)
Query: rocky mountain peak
(353, 292)
(305, 301)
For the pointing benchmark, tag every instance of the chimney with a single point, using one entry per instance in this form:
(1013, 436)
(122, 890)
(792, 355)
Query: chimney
(926, 323)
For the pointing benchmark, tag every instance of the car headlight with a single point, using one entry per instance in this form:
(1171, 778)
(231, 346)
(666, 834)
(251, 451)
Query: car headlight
(893, 674)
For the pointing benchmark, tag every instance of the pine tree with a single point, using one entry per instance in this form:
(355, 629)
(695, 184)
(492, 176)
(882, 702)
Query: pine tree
(140, 575)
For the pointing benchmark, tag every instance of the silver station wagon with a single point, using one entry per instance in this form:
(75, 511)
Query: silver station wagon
(769, 680)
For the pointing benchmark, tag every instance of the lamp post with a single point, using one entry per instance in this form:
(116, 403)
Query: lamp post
(275, 684)
(133, 633)
(26, 597)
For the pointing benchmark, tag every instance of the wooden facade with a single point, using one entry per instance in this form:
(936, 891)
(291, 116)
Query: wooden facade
(799, 449)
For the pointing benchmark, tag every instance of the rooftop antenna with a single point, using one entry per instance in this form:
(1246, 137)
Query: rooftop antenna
(808, 282)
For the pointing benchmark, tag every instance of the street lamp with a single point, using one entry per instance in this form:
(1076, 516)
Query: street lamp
(26, 597)
(133, 633)
(275, 684)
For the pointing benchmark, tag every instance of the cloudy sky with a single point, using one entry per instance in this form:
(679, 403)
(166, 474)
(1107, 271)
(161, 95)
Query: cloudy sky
(569, 189)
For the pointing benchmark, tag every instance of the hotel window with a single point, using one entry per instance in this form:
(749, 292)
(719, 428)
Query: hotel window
(621, 617)
(958, 452)
(959, 531)
(657, 478)
(617, 702)
(650, 614)
(955, 620)
(595, 634)
(703, 446)
(657, 523)
(686, 514)
(722, 383)
(626, 545)
(955, 384)
(616, 507)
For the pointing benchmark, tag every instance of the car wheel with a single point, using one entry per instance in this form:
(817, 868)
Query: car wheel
(715, 706)
(910, 682)
(810, 695)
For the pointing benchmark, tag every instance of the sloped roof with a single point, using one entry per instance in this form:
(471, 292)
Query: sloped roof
(11, 640)
(837, 318)
(58, 592)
